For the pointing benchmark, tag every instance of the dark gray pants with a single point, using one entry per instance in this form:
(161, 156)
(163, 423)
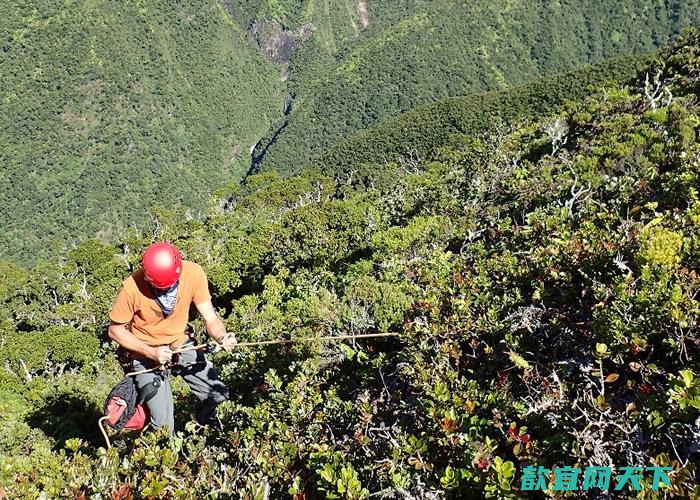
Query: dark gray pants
(199, 374)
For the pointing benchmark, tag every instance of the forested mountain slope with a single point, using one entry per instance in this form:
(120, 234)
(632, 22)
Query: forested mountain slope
(421, 132)
(435, 50)
(109, 107)
(543, 281)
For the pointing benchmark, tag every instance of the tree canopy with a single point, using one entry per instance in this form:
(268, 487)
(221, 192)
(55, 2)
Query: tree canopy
(111, 107)
(434, 50)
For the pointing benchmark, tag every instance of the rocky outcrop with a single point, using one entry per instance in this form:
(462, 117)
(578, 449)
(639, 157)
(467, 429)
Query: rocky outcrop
(277, 42)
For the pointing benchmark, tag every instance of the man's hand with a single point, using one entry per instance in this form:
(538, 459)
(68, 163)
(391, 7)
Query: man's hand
(228, 342)
(120, 333)
(215, 327)
(162, 354)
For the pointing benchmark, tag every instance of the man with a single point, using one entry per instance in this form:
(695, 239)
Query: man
(149, 319)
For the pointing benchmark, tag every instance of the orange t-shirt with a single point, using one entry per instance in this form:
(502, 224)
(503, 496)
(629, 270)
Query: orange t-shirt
(136, 304)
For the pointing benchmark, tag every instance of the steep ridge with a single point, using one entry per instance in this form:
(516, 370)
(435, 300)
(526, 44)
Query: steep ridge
(434, 50)
(418, 134)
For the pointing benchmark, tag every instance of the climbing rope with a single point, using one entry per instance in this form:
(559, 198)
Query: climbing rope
(215, 347)
(290, 341)
(104, 432)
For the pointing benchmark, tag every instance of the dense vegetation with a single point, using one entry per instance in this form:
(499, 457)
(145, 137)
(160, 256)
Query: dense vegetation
(433, 50)
(423, 131)
(543, 279)
(109, 107)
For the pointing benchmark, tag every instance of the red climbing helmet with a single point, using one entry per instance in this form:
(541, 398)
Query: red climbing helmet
(162, 264)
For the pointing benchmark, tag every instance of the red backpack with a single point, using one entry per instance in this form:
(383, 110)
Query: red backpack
(125, 407)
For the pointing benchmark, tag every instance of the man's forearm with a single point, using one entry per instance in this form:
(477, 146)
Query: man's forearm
(122, 336)
(216, 328)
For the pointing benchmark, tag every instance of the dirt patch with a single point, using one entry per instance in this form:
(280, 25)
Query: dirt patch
(362, 12)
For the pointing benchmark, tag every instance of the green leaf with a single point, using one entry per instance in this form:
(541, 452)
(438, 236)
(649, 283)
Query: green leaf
(74, 444)
(519, 361)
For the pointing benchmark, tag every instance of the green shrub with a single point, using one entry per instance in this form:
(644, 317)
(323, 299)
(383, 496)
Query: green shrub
(660, 246)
